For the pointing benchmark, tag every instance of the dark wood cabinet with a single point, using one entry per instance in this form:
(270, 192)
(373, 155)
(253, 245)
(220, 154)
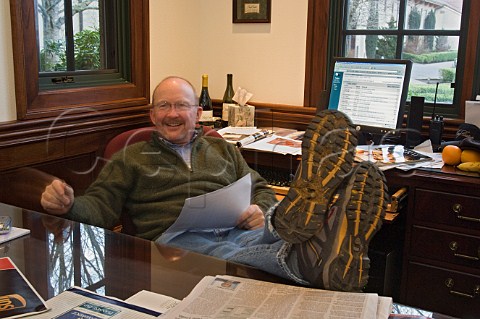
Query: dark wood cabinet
(441, 259)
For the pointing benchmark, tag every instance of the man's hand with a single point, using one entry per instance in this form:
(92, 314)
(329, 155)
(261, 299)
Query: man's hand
(57, 199)
(252, 218)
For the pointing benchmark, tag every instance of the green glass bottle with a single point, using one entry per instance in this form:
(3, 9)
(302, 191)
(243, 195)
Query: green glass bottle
(227, 99)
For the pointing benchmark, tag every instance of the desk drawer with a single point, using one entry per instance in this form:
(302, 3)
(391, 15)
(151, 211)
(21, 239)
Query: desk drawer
(452, 293)
(446, 246)
(447, 208)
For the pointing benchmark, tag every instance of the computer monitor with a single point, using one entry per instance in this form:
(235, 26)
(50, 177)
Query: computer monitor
(372, 92)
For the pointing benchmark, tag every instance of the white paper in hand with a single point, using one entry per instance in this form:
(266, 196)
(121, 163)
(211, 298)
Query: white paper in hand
(218, 209)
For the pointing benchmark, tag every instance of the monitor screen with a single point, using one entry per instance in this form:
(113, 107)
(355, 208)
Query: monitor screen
(371, 92)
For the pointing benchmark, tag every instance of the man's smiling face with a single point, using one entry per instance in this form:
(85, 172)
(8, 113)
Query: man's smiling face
(173, 123)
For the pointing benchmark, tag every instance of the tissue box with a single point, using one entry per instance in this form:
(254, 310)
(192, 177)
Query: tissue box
(225, 107)
(241, 115)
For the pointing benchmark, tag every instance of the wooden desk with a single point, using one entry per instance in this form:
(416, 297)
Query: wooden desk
(59, 253)
(440, 235)
(441, 259)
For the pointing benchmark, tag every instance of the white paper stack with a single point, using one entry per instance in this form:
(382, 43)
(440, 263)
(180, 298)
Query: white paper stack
(472, 112)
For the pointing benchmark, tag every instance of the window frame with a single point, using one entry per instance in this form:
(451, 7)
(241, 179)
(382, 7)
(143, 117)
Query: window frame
(34, 103)
(447, 110)
(116, 63)
(322, 43)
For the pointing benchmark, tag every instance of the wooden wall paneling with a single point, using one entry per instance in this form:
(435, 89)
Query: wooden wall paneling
(31, 156)
(316, 53)
(278, 115)
(23, 186)
(471, 57)
(24, 143)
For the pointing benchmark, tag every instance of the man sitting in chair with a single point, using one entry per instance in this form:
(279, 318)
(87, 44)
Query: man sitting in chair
(318, 235)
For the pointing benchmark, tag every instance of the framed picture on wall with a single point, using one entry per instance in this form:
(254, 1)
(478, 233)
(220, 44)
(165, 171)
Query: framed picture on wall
(252, 11)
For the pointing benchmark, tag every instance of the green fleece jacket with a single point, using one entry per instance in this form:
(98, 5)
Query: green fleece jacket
(151, 182)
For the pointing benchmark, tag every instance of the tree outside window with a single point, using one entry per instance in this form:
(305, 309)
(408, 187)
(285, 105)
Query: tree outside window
(78, 42)
(58, 21)
(424, 31)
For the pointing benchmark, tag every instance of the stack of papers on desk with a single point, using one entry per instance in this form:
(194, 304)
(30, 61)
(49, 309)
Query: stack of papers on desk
(277, 144)
(234, 134)
(227, 297)
(153, 301)
(395, 156)
(15, 232)
(280, 140)
(235, 297)
(472, 112)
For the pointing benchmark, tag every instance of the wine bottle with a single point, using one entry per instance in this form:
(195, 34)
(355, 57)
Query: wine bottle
(205, 101)
(227, 99)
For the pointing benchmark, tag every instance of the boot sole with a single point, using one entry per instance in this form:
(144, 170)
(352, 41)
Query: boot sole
(327, 157)
(347, 267)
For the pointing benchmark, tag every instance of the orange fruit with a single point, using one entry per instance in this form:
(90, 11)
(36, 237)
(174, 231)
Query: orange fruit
(452, 155)
(470, 156)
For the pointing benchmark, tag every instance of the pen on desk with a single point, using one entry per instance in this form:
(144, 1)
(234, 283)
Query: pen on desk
(253, 138)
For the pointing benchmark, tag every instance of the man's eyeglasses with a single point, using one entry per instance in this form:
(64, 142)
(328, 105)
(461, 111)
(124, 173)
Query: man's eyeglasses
(165, 106)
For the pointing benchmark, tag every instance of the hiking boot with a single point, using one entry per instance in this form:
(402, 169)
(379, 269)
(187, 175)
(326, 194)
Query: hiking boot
(327, 155)
(336, 258)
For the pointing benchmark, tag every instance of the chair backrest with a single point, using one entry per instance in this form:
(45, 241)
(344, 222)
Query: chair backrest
(126, 138)
(138, 135)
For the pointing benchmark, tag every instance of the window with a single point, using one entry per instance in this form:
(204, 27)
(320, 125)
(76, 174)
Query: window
(427, 32)
(56, 73)
(439, 36)
(79, 44)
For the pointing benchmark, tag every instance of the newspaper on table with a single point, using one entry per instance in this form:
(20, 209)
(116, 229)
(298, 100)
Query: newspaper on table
(235, 297)
(80, 303)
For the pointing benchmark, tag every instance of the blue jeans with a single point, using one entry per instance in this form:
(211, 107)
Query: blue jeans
(260, 248)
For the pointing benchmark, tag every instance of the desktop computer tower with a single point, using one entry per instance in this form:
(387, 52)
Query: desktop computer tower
(385, 253)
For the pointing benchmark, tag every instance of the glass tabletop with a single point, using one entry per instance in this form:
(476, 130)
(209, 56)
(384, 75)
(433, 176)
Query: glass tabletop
(59, 253)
